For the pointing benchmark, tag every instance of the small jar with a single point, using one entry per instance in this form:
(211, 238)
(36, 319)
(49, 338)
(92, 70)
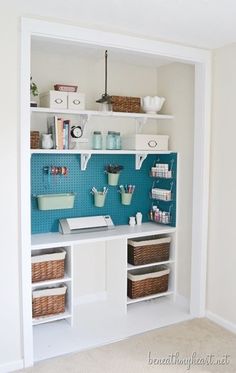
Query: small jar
(117, 141)
(132, 221)
(47, 142)
(110, 140)
(97, 140)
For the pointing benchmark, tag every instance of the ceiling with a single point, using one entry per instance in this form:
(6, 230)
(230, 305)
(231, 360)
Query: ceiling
(201, 23)
(77, 50)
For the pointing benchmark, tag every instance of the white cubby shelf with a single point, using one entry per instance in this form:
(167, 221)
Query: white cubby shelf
(66, 278)
(47, 319)
(97, 113)
(130, 267)
(149, 297)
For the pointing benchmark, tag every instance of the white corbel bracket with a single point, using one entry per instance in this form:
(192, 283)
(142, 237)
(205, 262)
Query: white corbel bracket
(84, 158)
(139, 124)
(139, 158)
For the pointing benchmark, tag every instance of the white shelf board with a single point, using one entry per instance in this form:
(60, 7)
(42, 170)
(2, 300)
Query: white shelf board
(91, 151)
(131, 266)
(149, 297)
(56, 239)
(59, 338)
(66, 278)
(47, 319)
(100, 113)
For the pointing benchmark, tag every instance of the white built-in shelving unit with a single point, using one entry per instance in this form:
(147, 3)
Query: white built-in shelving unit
(115, 241)
(104, 319)
(115, 303)
(66, 280)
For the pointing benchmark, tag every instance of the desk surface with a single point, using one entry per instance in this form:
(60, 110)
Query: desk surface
(47, 240)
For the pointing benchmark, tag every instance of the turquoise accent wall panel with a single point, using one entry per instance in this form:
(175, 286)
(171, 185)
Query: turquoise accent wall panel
(169, 184)
(81, 182)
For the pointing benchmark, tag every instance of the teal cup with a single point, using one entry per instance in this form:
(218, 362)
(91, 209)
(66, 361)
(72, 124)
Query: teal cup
(126, 198)
(99, 199)
(113, 179)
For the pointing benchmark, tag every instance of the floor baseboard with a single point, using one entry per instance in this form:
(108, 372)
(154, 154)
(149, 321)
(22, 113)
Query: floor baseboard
(12, 366)
(220, 321)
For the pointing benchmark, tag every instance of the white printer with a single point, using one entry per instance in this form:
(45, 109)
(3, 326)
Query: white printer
(85, 224)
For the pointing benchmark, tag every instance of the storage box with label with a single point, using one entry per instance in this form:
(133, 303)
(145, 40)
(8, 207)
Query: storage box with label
(76, 101)
(145, 142)
(54, 100)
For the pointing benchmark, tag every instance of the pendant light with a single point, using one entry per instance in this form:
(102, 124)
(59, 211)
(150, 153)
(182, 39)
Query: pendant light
(105, 100)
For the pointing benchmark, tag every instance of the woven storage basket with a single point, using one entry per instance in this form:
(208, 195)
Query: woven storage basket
(47, 302)
(148, 250)
(126, 104)
(34, 139)
(48, 266)
(142, 283)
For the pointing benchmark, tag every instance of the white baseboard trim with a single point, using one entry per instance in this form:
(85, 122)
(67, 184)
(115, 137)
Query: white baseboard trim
(11, 367)
(182, 302)
(220, 321)
(90, 298)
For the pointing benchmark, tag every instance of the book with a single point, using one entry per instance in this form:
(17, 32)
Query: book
(52, 129)
(66, 133)
(59, 133)
(60, 130)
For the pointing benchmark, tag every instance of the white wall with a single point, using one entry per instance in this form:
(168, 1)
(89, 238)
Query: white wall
(59, 63)
(10, 346)
(176, 83)
(221, 298)
(87, 72)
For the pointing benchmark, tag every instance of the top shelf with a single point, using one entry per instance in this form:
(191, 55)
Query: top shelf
(100, 113)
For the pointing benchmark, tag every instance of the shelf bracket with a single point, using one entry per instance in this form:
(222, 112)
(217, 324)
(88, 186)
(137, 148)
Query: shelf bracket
(84, 158)
(139, 158)
(139, 124)
(85, 119)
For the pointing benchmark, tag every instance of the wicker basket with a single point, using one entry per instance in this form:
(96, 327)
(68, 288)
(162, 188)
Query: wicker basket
(47, 302)
(142, 283)
(148, 250)
(34, 139)
(48, 266)
(126, 104)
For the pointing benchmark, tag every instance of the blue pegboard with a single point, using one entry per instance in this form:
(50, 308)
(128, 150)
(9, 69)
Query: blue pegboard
(81, 182)
(171, 160)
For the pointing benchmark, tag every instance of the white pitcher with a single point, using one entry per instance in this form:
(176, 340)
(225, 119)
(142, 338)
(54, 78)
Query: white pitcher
(47, 142)
(152, 104)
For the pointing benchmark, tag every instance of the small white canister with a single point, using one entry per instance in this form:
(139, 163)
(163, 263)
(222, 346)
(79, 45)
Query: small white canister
(139, 218)
(132, 221)
(47, 142)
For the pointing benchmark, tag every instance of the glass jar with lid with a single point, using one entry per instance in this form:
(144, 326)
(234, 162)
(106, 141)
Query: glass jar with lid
(117, 141)
(111, 140)
(97, 140)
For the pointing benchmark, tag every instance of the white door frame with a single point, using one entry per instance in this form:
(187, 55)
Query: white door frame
(202, 61)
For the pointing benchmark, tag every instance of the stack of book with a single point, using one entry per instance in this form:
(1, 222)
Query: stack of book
(60, 130)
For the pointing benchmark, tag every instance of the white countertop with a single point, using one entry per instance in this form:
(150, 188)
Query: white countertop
(55, 239)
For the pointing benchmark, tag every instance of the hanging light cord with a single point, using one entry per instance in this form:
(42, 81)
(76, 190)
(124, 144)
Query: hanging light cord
(106, 72)
(105, 97)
